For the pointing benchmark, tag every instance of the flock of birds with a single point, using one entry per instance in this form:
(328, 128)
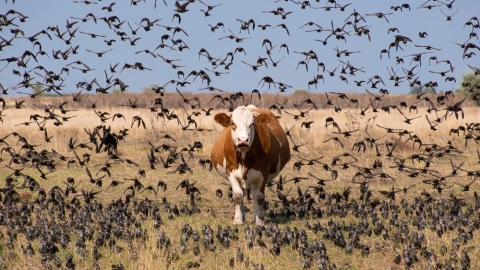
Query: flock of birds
(66, 214)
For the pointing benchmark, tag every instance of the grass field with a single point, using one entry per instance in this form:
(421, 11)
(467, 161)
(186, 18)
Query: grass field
(144, 253)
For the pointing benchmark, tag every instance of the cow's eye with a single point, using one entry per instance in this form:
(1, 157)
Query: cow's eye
(253, 124)
(232, 124)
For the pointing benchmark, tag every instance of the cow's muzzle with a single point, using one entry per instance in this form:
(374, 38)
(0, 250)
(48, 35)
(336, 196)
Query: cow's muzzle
(242, 147)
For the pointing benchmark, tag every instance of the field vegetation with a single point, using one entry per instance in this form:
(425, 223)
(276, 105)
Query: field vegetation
(408, 234)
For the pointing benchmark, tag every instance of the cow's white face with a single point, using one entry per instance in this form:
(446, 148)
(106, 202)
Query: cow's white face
(242, 128)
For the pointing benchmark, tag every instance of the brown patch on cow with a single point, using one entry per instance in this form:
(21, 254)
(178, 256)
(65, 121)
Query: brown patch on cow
(244, 174)
(262, 119)
(223, 119)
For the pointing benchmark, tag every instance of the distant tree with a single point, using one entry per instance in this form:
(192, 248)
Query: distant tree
(37, 89)
(470, 87)
(417, 90)
(116, 91)
(300, 91)
(149, 88)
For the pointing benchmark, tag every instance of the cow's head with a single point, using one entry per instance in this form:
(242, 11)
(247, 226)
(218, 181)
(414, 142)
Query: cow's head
(242, 123)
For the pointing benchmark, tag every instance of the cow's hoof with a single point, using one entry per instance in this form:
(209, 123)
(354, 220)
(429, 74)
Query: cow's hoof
(237, 222)
(259, 222)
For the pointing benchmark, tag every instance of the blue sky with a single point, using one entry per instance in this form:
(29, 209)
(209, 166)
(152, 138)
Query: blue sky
(241, 77)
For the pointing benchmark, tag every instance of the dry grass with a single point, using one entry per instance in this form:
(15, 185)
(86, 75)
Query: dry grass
(173, 100)
(135, 147)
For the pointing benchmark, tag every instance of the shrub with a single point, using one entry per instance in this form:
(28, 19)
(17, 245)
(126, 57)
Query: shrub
(470, 87)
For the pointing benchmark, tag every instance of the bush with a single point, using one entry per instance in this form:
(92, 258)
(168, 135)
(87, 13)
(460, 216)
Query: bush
(417, 90)
(37, 89)
(116, 91)
(470, 87)
(149, 88)
(300, 91)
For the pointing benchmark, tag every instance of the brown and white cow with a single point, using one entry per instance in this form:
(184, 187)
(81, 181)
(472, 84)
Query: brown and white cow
(251, 151)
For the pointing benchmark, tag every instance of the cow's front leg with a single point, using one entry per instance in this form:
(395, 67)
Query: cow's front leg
(238, 201)
(258, 199)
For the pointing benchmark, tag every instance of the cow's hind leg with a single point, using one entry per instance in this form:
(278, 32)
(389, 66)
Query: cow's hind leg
(258, 199)
(238, 201)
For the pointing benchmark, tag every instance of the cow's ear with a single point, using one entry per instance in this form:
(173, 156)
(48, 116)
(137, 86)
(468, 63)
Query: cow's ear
(222, 119)
(262, 119)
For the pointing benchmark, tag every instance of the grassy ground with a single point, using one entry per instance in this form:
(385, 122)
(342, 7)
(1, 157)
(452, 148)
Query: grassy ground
(214, 211)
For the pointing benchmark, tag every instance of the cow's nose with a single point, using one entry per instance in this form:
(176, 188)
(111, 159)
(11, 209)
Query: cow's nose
(243, 140)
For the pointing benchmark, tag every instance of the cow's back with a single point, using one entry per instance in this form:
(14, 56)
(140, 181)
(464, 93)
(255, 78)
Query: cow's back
(279, 153)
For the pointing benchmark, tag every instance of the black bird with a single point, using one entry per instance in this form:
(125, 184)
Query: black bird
(99, 54)
(88, 196)
(96, 181)
(114, 183)
(284, 27)
(295, 146)
(137, 185)
(139, 121)
(18, 104)
(181, 8)
(466, 188)
(400, 38)
(219, 193)
(407, 120)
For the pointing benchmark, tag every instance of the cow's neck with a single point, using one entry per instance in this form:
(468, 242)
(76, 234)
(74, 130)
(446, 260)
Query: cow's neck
(244, 157)
(242, 164)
